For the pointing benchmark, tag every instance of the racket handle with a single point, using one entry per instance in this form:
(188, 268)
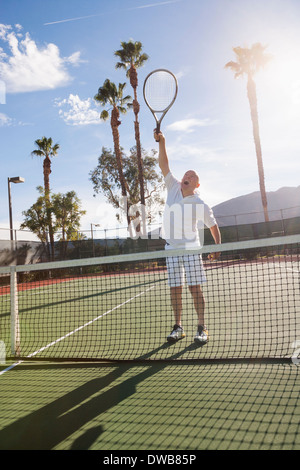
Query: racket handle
(157, 130)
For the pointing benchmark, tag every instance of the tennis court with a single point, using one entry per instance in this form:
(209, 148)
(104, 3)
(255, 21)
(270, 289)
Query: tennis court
(150, 407)
(95, 371)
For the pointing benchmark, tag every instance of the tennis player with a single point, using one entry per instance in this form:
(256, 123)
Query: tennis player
(184, 213)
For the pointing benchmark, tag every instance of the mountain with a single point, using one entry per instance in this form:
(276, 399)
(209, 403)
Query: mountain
(282, 204)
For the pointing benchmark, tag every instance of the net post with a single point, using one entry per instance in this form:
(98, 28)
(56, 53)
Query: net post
(14, 313)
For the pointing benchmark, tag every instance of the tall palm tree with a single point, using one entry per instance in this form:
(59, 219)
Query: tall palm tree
(248, 62)
(47, 150)
(131, 58)
(110, 94)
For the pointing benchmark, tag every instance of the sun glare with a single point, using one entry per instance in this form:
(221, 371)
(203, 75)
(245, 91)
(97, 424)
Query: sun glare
(279, 84)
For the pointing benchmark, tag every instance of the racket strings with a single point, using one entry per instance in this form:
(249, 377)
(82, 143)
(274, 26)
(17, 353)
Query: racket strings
(160, 91)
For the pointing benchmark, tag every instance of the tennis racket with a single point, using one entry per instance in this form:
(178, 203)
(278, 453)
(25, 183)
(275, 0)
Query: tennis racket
(160, 91)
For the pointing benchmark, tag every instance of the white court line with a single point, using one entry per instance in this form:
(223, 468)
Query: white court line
(75, 331)
(293, 270)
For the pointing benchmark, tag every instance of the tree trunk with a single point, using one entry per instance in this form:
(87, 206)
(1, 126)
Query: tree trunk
(251, 92)
(136, 109)
(47, 171)
(116, 138)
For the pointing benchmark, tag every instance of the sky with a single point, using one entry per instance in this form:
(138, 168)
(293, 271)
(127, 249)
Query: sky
(55, 54)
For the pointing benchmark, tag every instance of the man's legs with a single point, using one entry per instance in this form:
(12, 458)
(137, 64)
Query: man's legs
(176, 301)
(176, 280)
(199, 302)
(195, 272)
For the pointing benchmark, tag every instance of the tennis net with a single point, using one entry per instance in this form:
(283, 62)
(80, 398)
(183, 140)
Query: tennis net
(119, 307)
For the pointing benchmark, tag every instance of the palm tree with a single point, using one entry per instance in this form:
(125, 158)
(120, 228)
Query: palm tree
(131, 58)
(112, 95)
(47, 150)
(248, 62)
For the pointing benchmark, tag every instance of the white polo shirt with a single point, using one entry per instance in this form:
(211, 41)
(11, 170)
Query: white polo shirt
(184, 217)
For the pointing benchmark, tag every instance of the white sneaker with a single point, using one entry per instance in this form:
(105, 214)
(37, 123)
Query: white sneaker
(176, 334)
(201, 335)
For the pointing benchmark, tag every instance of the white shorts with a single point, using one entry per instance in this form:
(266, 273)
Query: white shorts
(189, 267)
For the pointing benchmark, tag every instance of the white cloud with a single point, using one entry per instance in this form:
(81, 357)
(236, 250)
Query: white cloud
(74, 59)
(181, 152)
(5, 120)
(26, 66)
(189, 125)
(4, 29)
(78, 112)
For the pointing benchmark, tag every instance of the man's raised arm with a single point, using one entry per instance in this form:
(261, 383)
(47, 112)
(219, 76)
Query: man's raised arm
(162, 154)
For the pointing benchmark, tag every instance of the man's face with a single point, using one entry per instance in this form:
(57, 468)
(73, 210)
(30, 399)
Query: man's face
(190, 181)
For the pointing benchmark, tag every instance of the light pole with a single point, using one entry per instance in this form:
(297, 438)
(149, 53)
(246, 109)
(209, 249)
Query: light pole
(15, 179)
(93, 246)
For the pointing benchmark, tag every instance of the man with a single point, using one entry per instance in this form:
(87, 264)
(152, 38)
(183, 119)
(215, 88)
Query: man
(183, 233)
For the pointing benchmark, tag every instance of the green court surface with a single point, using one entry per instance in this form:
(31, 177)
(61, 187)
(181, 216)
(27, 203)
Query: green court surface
(96, 371)
(150, 407)
(128, 315)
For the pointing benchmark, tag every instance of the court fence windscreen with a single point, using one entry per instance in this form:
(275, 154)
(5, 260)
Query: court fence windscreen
(120, 307)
